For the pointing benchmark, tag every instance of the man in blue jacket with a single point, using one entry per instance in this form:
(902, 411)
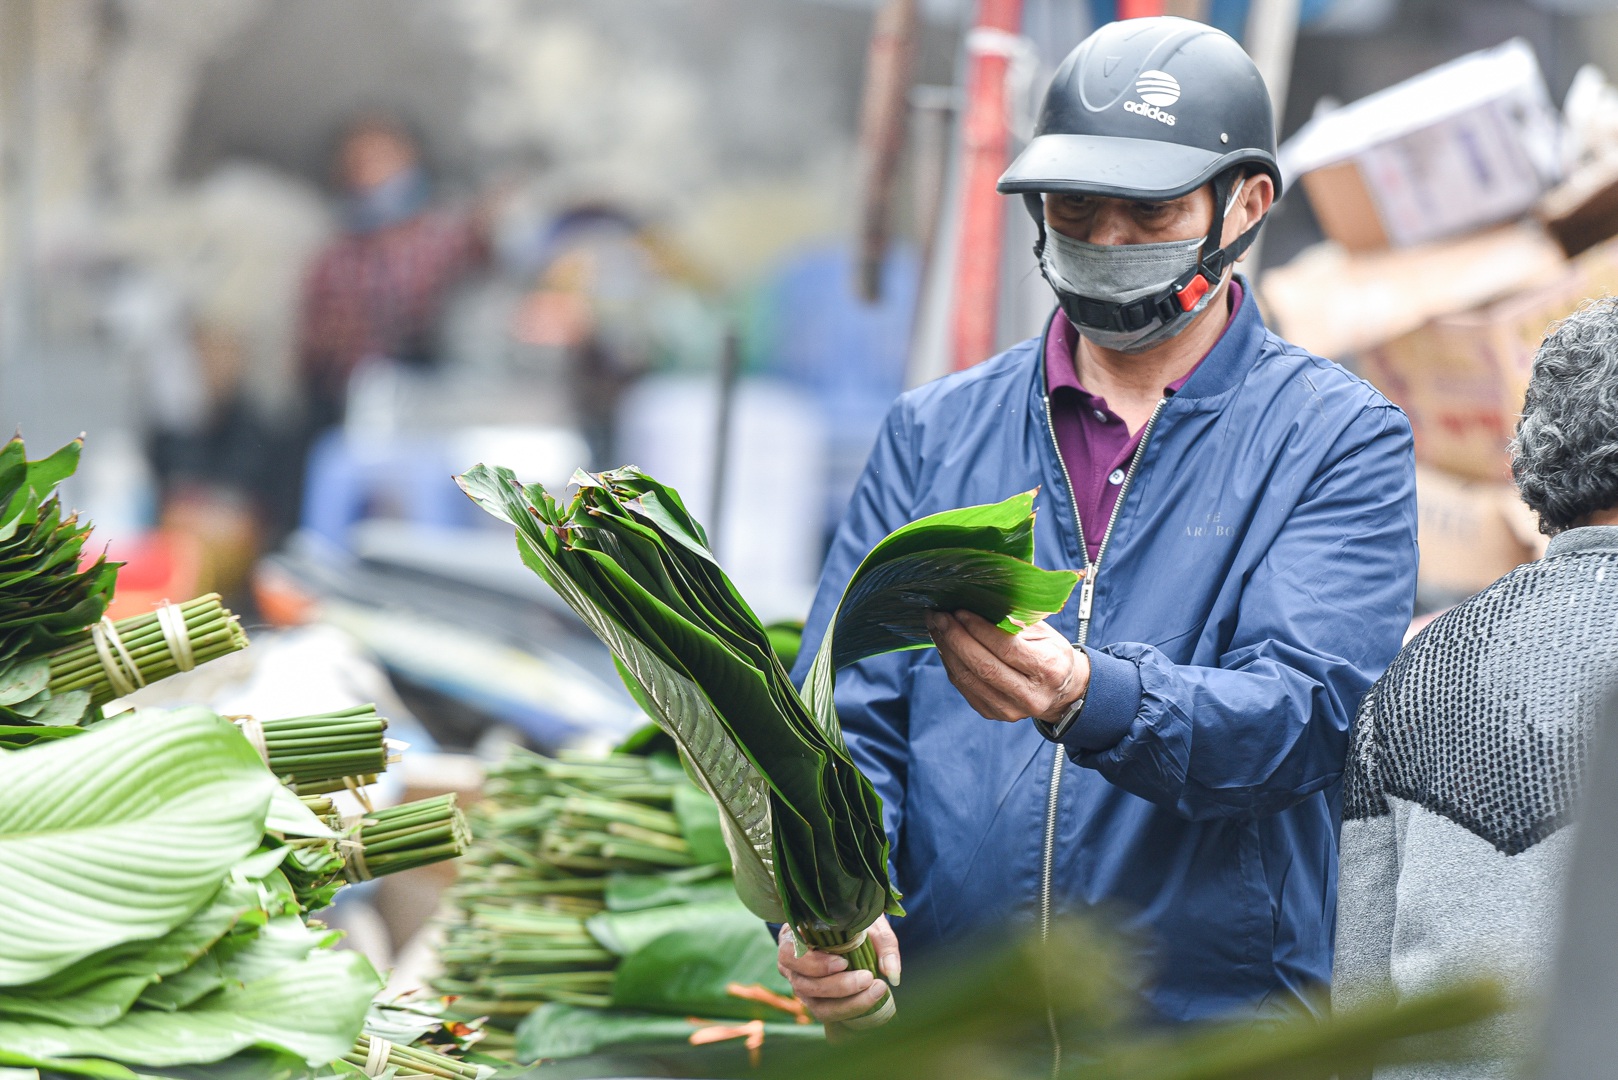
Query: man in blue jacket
(1173, 741)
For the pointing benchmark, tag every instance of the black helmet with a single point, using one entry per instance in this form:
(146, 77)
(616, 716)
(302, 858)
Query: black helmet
(1148, 109)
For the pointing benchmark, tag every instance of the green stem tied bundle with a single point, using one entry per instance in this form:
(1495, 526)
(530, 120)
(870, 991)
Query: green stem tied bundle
(376, 1055)
(112, 659)
(327, 752)
(404, 837)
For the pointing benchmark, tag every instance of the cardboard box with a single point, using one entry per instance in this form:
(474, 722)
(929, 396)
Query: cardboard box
(1470, 535)
(1582, 211)
(1334, 302)
(1468, 144)
(1462, 378)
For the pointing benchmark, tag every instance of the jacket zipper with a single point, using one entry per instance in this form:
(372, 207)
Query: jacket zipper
(1087, 592)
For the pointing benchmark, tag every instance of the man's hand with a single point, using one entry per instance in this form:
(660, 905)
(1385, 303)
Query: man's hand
(1005, 676)
(823, 982)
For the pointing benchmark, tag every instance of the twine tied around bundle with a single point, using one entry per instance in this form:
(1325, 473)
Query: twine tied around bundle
(122, 671)
(253, 728)
(376, 1056)
(353, 850)
(171, 619)
(356, 788)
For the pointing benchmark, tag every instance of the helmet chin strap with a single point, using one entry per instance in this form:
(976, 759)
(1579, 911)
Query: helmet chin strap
(1181, 296)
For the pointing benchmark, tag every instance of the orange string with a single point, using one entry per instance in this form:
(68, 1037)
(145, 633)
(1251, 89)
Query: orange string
(764, 996)
(752, 1031)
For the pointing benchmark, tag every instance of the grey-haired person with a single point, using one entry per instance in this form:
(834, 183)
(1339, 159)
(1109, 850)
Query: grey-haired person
(1467, 752)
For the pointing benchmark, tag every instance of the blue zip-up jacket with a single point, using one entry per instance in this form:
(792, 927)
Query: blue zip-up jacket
(1259, 576)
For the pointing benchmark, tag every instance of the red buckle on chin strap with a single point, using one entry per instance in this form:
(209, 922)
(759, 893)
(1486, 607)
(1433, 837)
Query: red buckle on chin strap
(1193, 291)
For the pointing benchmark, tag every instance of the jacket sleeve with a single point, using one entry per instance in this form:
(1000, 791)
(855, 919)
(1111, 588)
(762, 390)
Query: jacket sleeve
(872, 694)
(1320, 617)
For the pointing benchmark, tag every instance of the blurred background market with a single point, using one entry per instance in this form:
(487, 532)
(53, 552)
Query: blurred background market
(290, 264)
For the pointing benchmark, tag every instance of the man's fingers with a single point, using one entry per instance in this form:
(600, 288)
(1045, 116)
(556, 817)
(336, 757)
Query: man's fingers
(1015, 650)
(813, 964)
(844, 984)
(1039, 653)
(994, 689)
(986, 699)
(886, 946)
(831, 1011)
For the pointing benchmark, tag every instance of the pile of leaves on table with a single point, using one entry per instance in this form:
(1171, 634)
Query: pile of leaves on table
(155, 873)
(595, 910)
(60, 659)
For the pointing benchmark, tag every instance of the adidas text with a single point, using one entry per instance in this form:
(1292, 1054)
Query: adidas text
(1151, 111)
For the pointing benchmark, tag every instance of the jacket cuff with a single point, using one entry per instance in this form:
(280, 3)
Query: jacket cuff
(1110, 705)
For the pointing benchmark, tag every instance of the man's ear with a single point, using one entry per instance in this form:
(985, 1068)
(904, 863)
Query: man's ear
(1251, 205)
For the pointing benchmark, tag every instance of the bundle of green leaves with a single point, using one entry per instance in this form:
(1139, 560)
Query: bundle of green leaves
(148, 922)
(43, 697)
(803, 826)
(46, 599)
(569, 896)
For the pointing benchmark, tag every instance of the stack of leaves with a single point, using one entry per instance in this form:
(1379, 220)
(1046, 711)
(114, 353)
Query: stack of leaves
(375, 844)
(568, 896)
(148, 924)
(327, 752)
(42, 696)
(46, 600)
(803, 826)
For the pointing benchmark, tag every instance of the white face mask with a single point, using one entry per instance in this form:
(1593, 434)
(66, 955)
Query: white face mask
(1119, 273)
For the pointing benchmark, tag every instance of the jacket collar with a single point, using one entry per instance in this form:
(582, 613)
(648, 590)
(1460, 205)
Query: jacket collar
(1584, 538)
(1228, 362)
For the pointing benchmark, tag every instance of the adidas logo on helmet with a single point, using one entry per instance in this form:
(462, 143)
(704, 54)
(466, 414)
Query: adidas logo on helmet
(1157, 90)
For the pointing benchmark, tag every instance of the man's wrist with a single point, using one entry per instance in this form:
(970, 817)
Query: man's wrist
(1054, 731)
(1059, 721)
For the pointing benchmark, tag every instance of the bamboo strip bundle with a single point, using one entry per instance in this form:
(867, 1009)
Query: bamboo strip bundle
(376, 1056)
(146, 646)
(409, 835)
(325, 752)
(551, 834)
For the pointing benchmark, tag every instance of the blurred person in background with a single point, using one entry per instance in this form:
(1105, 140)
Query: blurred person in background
(1468, 752)
(599, 282)
(1245, 515)
(376, 292)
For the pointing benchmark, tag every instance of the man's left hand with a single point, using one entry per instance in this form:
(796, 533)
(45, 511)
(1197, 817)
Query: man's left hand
(1005, 676)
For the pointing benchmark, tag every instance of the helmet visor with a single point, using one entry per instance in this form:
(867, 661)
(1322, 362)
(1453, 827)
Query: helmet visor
(1113, 167)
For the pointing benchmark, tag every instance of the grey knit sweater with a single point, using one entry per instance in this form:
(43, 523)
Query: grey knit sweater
(1460, 788)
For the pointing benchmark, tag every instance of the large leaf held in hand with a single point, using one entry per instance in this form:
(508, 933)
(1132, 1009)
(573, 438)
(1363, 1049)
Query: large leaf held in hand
(671, 695)
(120, 834)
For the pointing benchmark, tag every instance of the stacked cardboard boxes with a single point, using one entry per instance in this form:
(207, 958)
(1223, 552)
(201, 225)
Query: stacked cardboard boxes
(1438, 285)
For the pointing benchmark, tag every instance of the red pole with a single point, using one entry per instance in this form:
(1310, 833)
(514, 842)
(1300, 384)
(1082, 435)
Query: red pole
(984, 146)
(1139, 9)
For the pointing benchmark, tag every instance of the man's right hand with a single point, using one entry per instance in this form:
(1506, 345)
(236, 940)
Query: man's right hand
(825, 985)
